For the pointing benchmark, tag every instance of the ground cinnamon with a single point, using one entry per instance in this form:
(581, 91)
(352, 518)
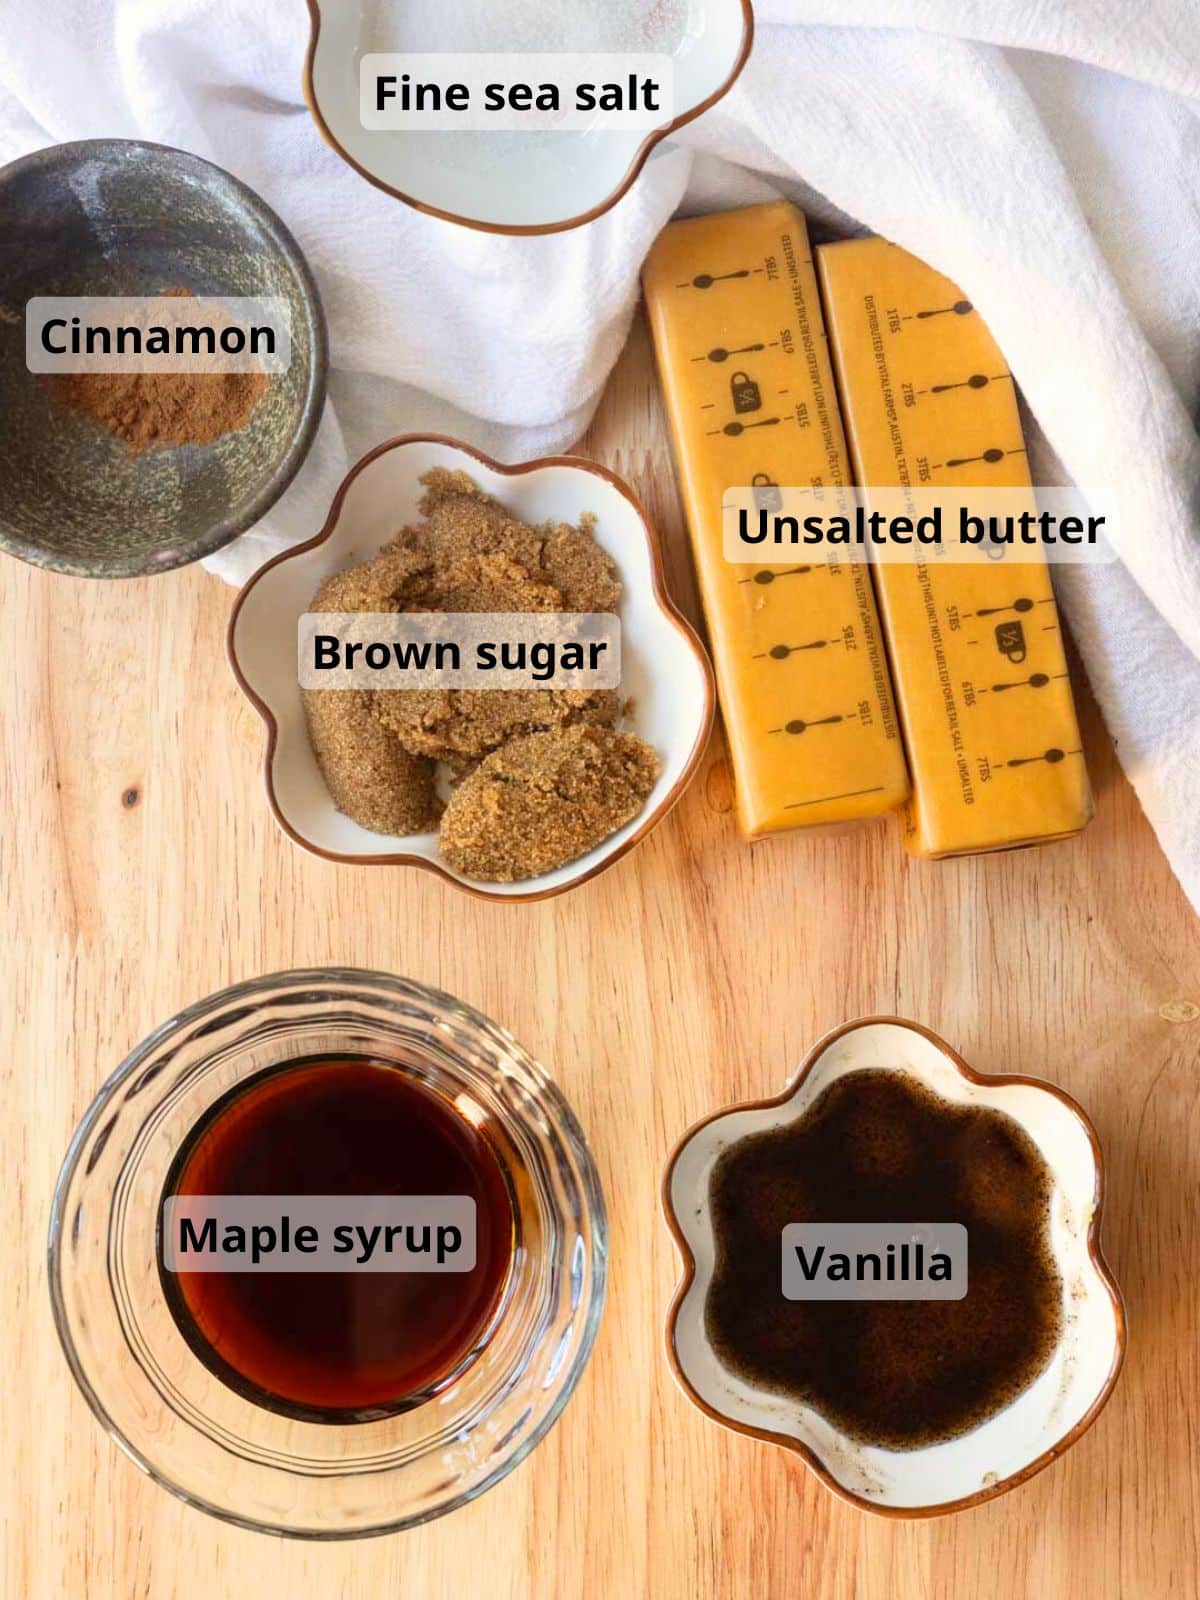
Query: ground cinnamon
(157, 411)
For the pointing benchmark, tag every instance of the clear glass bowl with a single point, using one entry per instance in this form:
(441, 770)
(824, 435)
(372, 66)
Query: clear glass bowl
(220, 1451)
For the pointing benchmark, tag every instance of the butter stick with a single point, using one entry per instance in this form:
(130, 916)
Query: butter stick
(976, 650)
(809, 716)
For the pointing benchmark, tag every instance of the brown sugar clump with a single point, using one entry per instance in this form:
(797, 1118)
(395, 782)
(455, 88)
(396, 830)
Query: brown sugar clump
(544, 800)
(477, 558)
(382, 584)
(460, 725)
(449, 522)
(580, 568)
(371, 778)
(462, 521)
(491, 582)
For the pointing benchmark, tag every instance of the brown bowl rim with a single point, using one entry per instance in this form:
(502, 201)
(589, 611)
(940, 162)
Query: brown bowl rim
(666, 605)
(1095, 1254)
(524, 230)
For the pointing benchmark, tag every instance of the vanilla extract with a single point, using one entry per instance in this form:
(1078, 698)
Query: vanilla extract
(879, 1148)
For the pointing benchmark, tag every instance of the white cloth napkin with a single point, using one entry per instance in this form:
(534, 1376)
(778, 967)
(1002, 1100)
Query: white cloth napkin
(1045, 154)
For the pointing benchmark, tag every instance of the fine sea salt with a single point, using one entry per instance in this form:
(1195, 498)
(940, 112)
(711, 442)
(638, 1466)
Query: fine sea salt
(533, 25)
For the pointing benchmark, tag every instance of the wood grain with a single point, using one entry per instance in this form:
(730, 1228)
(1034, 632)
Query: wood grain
(141, 871)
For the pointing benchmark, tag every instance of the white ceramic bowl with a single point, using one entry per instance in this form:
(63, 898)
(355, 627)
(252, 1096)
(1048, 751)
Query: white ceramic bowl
(506, 182)
(665, 670)
(1040, 1423)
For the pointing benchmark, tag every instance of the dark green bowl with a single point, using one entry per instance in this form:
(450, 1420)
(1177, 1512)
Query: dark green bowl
(115, 216)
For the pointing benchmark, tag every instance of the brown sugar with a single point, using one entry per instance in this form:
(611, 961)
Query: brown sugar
(381, 584)
(462, 521)
(460, 725)
(472, 555)
(370, 776)
(544, 777)
(491, 582)
(544, 800)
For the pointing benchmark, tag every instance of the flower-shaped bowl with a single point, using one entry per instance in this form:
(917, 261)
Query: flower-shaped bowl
(665, 672)
(509, 181)
(1011, 1445)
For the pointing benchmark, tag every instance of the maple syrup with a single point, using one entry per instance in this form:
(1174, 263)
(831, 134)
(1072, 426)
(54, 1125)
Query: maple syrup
(343, 1346)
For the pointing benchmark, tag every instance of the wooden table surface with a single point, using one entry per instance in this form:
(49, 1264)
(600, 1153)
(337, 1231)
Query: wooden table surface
(141, 871)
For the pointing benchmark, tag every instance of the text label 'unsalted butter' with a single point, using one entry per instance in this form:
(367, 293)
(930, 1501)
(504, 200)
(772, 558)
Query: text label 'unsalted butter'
(964, 524)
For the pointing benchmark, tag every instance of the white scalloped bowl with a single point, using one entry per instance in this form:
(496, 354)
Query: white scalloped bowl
(1010, 1446)
(506, 182)
(665, 671)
